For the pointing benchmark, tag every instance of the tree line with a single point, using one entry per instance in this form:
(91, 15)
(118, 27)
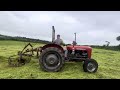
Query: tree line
(18, 38)
(117, 48)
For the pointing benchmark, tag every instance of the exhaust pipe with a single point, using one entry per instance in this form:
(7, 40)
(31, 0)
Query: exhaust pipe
(75, 43)
(75, 37)
(53, 33)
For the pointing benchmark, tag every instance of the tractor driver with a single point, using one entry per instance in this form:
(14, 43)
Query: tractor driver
(59, 41)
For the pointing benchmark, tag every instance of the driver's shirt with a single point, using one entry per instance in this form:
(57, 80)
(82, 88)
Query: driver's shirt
(58, 41)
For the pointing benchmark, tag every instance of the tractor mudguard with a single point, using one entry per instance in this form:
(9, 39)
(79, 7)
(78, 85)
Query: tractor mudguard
(52, 45)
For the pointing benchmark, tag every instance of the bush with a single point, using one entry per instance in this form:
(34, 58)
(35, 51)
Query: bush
(116, 48)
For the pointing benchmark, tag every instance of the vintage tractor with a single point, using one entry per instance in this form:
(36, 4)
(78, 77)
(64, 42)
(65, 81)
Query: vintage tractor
(52, 56)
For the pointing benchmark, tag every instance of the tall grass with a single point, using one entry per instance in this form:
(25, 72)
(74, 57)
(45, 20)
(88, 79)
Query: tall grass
(108, 60)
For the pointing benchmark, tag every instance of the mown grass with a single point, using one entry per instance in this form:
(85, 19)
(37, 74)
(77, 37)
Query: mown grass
(108, 60)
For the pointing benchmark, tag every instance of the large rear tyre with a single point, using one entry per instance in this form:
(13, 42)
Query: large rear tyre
(90, 66)
(52, 59)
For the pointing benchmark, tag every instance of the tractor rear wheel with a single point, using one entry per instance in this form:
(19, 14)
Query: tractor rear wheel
(90, 66)
(52, 59)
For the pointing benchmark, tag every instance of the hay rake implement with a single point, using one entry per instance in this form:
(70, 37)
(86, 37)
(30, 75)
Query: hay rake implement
(23, 56)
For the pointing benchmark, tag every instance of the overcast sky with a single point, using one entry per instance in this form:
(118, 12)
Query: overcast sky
(92, 27)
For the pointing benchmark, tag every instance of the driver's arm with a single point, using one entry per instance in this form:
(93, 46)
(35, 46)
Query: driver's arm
(62, 43)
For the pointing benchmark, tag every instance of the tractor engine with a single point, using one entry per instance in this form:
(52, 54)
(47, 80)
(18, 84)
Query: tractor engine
(78, 52)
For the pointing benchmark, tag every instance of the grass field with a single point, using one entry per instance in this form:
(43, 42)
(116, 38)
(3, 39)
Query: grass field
(109, 65)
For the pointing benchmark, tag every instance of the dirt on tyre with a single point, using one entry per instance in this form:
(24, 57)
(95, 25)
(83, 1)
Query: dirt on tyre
(90, 66)
(52, 59)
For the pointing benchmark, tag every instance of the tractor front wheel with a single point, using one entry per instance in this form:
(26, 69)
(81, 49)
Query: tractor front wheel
(52, 59)
(90, 66)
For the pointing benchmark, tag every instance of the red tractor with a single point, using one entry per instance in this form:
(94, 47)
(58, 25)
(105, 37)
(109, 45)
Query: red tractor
(52, 57)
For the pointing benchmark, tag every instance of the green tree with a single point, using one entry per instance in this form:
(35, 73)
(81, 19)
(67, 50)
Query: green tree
(118, 38)
(108, 43)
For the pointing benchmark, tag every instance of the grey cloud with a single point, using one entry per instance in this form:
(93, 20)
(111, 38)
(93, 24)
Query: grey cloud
(91, 27)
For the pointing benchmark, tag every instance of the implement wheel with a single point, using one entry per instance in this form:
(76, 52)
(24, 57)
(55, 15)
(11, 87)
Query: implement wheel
(17, 61)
